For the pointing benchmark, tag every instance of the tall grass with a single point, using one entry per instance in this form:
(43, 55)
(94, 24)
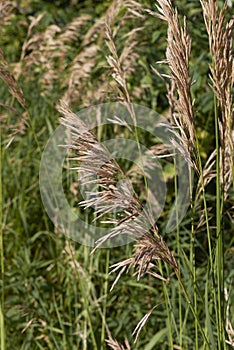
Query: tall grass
(167, 290)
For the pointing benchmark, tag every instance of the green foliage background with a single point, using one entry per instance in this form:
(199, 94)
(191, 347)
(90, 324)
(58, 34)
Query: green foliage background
(56, 294)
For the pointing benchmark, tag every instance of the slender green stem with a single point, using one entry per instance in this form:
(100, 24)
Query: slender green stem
(168, 309)
(105, 299)
(179, 254)
(207, 227)
(192, 309)
(192, 258)
(83, 290)
(205, 204)
(2, 321)
(219, 237)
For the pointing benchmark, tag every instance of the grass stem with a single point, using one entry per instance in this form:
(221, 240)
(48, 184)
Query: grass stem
(219, 239)
(193, 310)
(105, 299)
(2, 321)
(179, 254)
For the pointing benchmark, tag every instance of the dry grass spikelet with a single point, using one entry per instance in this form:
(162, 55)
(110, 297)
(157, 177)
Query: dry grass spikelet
(149, 249)
(49, 49)
(222, 78)
(95, 166)
(6, 8)
(141, 324)
(29, 39)
(97, 31)
(81, 69)
(10, 81)
(177, 59)
(123, 64)
(71, 31)
(79, 72)
(113, 344)
(44, 50)
(22, 118)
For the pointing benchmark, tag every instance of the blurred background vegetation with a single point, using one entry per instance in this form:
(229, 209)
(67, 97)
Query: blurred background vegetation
(57, 295)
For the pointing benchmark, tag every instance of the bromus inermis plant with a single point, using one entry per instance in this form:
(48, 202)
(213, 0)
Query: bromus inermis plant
(166, 289)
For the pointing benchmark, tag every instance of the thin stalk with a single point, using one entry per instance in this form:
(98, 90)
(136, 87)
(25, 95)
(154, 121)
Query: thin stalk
(192, 258)
(179, 254)
(64, 345)
(207, 225)
(168, 309)
(203, 300)
(205, 205)
(84, 296)
(105, 299)
(219, 237)
(192, 309)
(2, 320)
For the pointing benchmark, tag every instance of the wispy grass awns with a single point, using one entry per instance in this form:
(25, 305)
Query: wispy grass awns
(166, 290)
(95, 167)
